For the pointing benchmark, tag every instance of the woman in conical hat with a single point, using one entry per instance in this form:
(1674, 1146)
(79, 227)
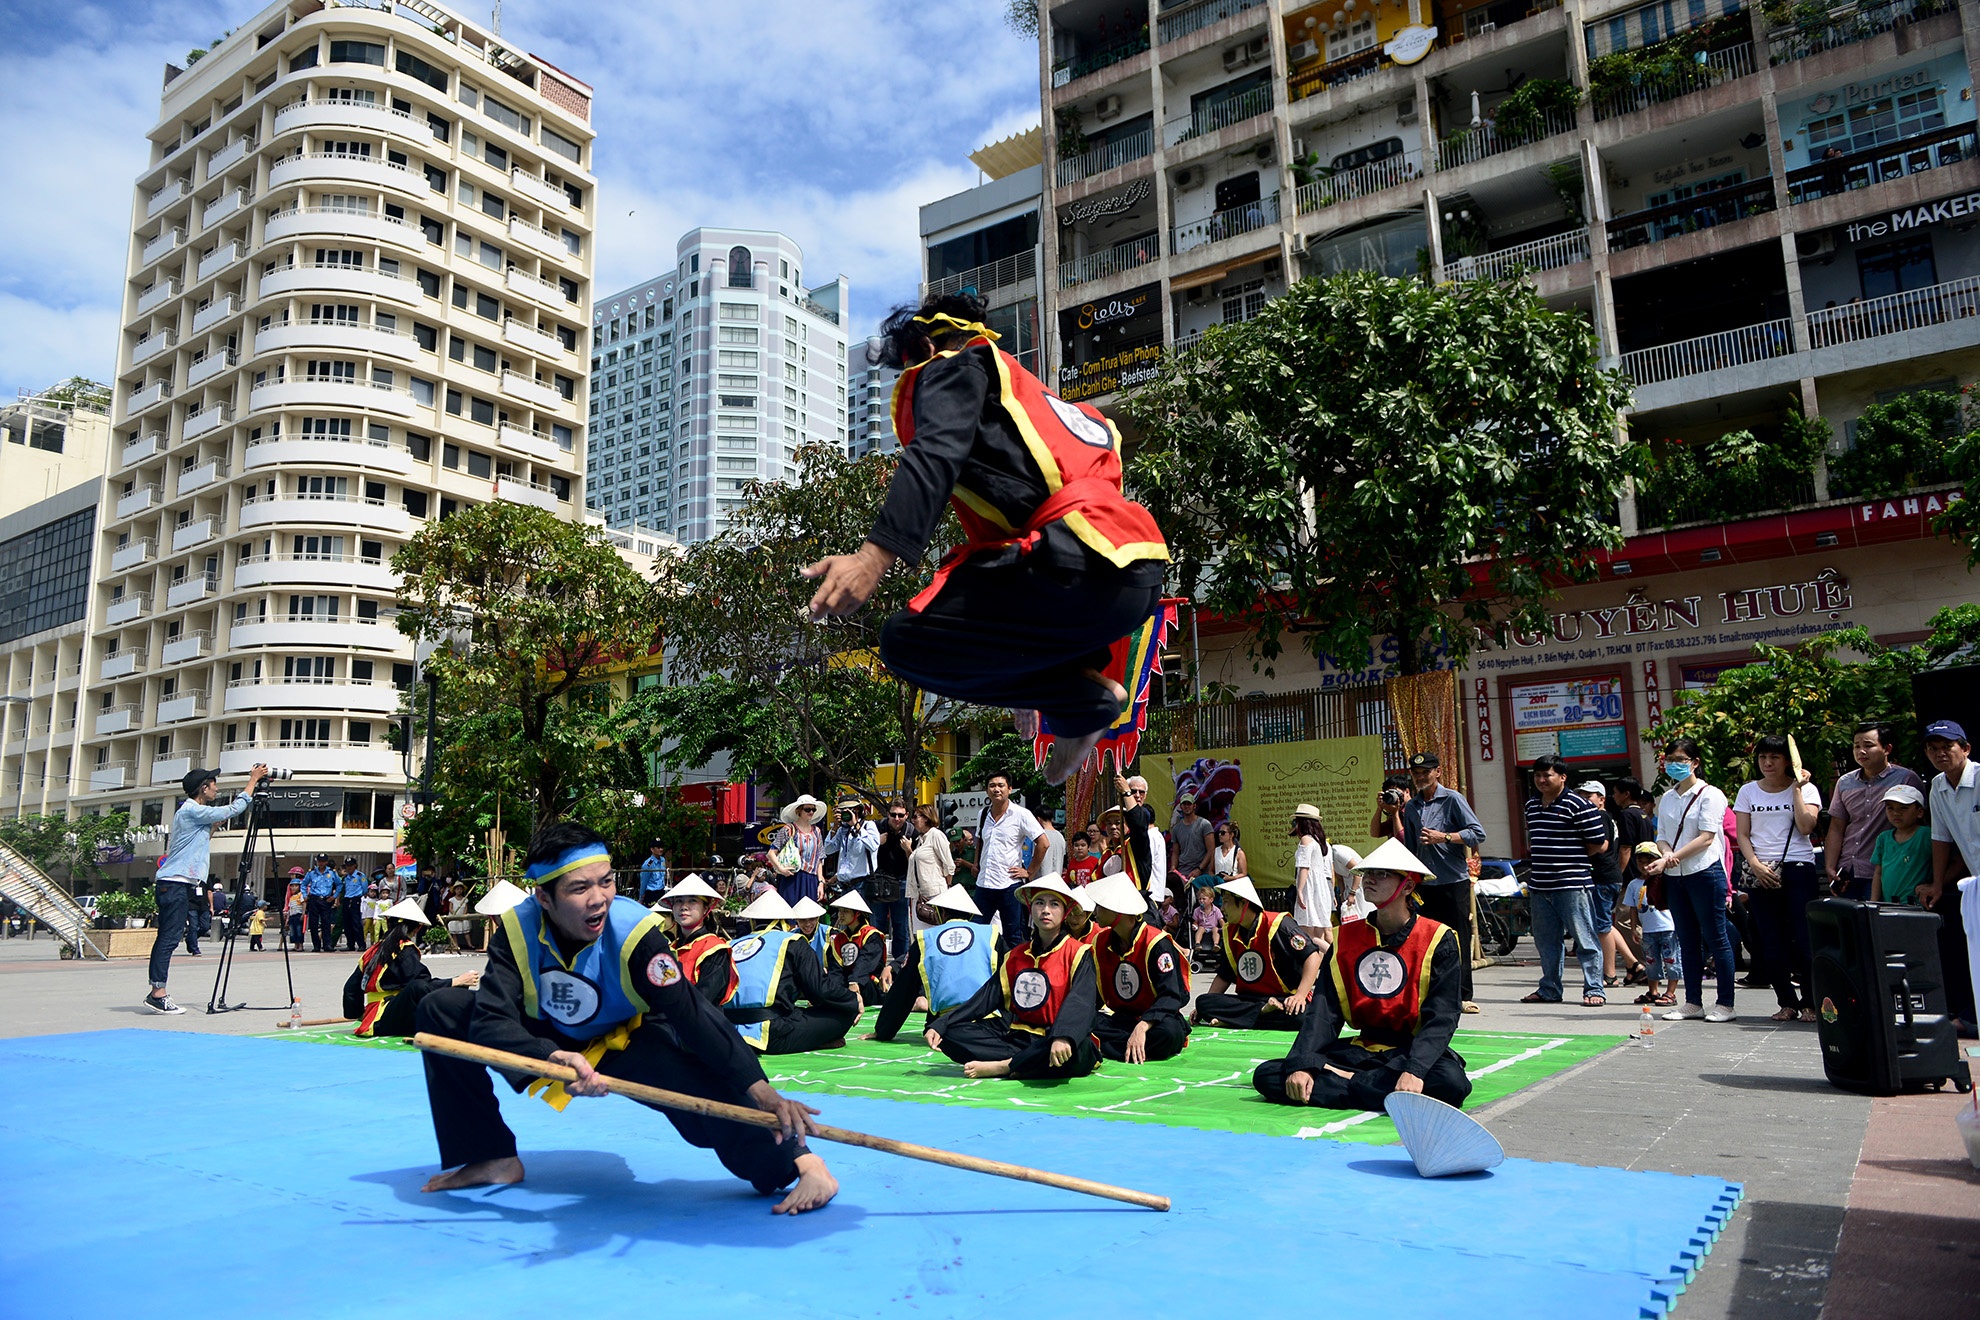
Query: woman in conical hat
(391, 978)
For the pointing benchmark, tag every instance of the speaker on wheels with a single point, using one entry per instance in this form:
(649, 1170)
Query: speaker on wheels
(1880, 998)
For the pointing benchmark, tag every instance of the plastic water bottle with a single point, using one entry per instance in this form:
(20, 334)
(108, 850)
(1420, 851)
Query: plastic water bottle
(1646, 1029)
(295, 1014)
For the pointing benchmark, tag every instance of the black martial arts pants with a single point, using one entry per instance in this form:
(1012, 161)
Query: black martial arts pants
(319, 924)
(467, 1119)
(804, 1029)
(1372, 1081)
(1245, 1012)
(1030, 1056)
(1023, 634)
(1167, 1033)
(1450, 905)
(353, 924)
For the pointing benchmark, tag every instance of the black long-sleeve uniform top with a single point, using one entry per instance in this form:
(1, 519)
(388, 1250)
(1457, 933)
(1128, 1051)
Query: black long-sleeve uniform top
(1436, 1022)
(712, 977)
(1076, 1013)
(1172, 986)
(1138, 821)
(872, 957)
(804, 979)
(407, 974)
(1289, 949)
(499, 1023)
(961, 434)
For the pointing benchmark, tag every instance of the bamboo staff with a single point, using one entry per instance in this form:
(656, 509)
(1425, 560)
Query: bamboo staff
(692, 1104)
(285, 1024)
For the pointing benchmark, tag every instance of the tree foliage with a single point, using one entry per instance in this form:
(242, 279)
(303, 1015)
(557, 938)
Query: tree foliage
(1343, 465)
(75, 847)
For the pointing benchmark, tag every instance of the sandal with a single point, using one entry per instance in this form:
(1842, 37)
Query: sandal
(1783, 1015)
(1647, 997)
(1637, 975)
(1593, 1001)
(1537, 998)
(1612, 981)
(1665, 1001)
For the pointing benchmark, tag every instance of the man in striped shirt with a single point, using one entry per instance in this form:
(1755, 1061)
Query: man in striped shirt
(1563, 831)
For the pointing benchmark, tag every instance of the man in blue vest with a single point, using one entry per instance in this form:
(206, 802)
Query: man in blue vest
(947, 964)
(352, 885)
(580, 977)
(784, 1003)
(320, 891)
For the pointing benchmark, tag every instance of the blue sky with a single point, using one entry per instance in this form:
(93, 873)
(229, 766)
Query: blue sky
(832, 120)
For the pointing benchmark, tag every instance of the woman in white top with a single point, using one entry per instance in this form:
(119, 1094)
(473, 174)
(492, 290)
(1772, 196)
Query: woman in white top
(1226, 857)
(1776, 813)
(1313, 878)
(930, 867)
(1690, 820)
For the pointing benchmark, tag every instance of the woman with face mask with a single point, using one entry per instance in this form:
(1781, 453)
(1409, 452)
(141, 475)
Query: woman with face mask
(1690, 825)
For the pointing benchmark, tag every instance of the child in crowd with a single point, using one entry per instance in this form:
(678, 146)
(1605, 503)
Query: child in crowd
(1082, 867)
(257, 922)
(1660, 942)
(1903, 854)
(1170, 914)
(1205, 920)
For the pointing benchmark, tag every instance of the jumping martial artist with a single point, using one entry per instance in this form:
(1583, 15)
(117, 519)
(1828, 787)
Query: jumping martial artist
(700, 948)
(1143, 977)
(579, 977)
(1057, 564)
(858, 951)
(390, 979)
(949, 963)
(784, 1003)
(1265, 959)
(1394, 978)
(1035, 1018)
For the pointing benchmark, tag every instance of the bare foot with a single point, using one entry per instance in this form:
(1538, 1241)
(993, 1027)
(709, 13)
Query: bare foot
(920, 1004)
(993, 1068)
(838, 1044)
(815, 1186)
(1066, 755)
(488, 1173)
(1119, 693)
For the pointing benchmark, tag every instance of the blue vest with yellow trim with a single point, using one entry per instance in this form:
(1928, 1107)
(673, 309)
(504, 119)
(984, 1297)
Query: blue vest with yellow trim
(955, 958)
(592, 993)
(759, 963)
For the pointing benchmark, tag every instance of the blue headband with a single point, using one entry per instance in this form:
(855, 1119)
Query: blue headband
(564, 864)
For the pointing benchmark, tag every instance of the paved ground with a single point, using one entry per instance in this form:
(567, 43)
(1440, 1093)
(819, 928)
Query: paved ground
(1745, 1101)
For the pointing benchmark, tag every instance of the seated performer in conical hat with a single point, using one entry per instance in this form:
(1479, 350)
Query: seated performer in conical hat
(1266, 967)
(391, 978)
(856, 952)
(1143, 977)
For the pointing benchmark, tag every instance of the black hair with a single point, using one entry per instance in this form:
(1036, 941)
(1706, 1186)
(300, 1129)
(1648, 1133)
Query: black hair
(1771, 744)
(1629, 784)
(1551, 763)
(1886, 733)
(996, 774)
(1399, 781)
(903, 341)
(1232, 826)
(1303, 828)
(558, 838)
(1685, 747)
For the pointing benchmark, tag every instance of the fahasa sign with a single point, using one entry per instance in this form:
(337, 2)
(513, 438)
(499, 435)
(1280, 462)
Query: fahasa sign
(1911, 506)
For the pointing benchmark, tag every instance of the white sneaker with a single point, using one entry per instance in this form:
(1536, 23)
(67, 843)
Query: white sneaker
(164, 1005)
(1682, 1012)
(1720, 1013)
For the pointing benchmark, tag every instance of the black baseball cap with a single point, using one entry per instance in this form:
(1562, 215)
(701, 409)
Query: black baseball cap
(194, 780)
(1424, 761)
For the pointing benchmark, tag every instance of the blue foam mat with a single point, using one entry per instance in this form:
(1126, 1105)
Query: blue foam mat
(142, 1152)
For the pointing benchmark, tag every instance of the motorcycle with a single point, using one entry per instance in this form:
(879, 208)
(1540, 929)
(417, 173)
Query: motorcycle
(1504, 912)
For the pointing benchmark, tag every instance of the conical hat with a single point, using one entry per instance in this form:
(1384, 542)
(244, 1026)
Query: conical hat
(407, 910)
(1081, 897)
(1241, 886)
(1117, 893)
(1440, 1138)
(956, 899)
(770, 907)
(690, 886)
(805, 909)
(852, 901)
(1392, 856)
(1045, 884)
(501, 896)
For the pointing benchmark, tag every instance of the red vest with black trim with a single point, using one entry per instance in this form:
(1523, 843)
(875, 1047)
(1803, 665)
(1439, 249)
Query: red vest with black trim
(690, 954)
(1127, 980)
(1250, 956)
(1382, 989)
(377, 961)
(845, 948)
(1035, 988)
(1078, 452)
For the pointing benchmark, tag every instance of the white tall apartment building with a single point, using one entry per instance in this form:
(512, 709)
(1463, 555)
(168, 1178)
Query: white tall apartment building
(711, 376)
(359, 278)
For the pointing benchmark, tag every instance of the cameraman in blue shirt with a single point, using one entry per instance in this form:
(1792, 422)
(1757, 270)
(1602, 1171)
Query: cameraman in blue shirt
(183, 868)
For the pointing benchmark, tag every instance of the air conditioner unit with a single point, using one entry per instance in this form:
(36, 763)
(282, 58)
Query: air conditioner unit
(1109, 108)
(1258, 49)
(1263, 153)
(1191, 178)
(1303, 51)
(1810, 246)
(1194, 296)
(1406, 111)
(1235, 57)
(1299, 148)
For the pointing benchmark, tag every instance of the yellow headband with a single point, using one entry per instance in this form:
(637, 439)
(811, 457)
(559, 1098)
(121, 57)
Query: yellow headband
(967, 327)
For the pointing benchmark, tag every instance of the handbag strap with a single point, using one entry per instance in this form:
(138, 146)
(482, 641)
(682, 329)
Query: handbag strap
(1689, 803)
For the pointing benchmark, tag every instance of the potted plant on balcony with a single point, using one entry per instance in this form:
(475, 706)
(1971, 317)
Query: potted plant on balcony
(1522, 116)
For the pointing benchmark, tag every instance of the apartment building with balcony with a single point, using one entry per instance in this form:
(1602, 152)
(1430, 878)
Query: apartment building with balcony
(1760, 210)
(711, 376)
(359, 280)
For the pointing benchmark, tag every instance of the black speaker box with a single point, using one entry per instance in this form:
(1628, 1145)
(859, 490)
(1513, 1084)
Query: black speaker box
(1880, 998)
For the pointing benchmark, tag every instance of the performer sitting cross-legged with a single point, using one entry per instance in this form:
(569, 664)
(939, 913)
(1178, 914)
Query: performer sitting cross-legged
(1057, 564)
(1394, 978)
(700, 949)
(391, 978)
(784, 1002)
(1035, 1018)
(858, 950)
(808, 920)
(1143, 977)
(1265, 959)
(579, 977)
(949, 962)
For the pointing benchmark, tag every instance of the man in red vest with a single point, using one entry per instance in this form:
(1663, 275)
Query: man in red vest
(1144, 979)
(1056, 565)
(1035, 1017)
(1266, 967)
(1394, 979)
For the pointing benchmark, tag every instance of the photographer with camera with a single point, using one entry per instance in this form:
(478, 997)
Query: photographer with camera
(183, 868)
(857, 844)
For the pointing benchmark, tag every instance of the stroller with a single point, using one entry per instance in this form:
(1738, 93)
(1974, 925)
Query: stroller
(1504, 913)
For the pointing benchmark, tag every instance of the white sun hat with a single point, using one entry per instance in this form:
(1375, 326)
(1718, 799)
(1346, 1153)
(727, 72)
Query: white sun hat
(1392, 856)
(789, 814)
(851, 900)
(1241, 886)
(770, 907)
(1116, 893)
(956, 899)
(691, 886)
(805, 909)
(501, 896)
(1442, 1139)
(407, 910)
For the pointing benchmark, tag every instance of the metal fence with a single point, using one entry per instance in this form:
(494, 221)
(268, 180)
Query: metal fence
(1895, 313)
(1716, 67)
(1110, 261)
(1541, 254)
(995, 275)
(1916, 154)
(1217, 114)
(1109, 156)
(1859, 23)
(1713, 352)
(1181, 20)
(1703, 210)
(1346, 185)
(1470, 144)
(1228, 223)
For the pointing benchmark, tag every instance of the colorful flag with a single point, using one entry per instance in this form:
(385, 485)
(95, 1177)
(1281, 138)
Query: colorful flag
(1133, 662)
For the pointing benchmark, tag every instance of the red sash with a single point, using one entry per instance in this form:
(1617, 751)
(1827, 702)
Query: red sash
(689, 956)
(1035, 988)
(1383, 988)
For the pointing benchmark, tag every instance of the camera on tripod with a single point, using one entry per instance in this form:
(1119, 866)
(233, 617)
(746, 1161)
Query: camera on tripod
(280, 772)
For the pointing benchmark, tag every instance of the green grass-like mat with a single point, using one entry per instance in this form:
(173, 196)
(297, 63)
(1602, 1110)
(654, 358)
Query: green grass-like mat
(1207, 1086)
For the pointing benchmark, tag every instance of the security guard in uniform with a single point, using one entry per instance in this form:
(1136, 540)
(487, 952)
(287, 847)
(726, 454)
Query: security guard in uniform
(1143, 977)
(703, 953)
(391, 978)
(856, 952)
(353, 884)
(949, 963)
(1035, 1018)
(784, 1003)
(321, 887)
(1266, 959)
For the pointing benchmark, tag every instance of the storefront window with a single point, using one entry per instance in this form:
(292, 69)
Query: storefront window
(1896, 267)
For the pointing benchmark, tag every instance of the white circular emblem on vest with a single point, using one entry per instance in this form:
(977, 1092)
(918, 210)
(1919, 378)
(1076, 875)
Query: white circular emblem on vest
(1127, 981)
(1088, 430)
(1030, 988)
(849, 954)
(566, 998)
(1380, 973)
(745, 949)
(1251, 965)
(956, 939)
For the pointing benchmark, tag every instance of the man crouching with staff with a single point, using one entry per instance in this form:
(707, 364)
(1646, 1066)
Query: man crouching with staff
(580, 977)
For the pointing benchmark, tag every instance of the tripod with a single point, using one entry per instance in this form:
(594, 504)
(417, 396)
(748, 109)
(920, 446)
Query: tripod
(258, 828)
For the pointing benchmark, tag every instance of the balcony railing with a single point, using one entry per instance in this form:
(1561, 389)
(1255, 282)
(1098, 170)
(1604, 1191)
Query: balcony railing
(1228, 223)
(1112, 261)
(1346, 185)
(1100, 159)
(1714, 352)
(996, 275)
(1541, 254)
(1470, 144)
(1068, 71)
(1217, 115)
(1700, 211)
(1895, 313)
(1180, 21)
(1859, 23)
(1716, 67)
(1352, 68)
(1893, 160)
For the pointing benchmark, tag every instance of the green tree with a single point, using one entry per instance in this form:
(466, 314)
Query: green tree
(74, 847)
(1375, 455)
(521, 604)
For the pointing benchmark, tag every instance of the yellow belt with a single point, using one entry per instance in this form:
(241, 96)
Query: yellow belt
(617, 1038)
